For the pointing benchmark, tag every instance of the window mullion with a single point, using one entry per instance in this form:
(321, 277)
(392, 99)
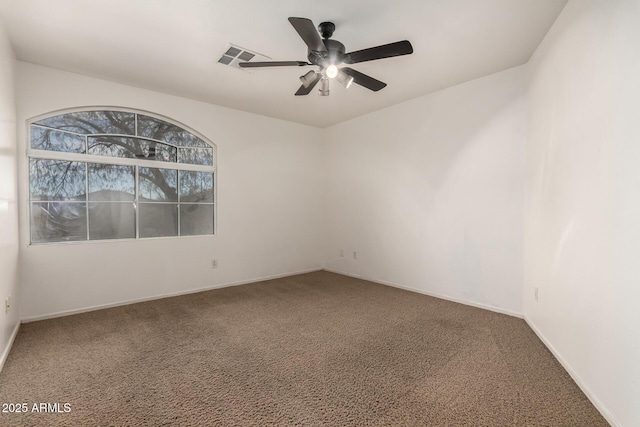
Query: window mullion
(178, 196)
(78, 157)
(86, 195)
(136, 207)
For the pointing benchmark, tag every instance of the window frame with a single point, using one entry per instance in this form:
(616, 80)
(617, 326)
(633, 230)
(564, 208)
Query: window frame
(137, 163)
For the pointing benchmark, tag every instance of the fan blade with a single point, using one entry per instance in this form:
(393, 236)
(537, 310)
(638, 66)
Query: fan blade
(363, 79)
(379, 52)
(308, 33)
(306, 90)
(272, 64)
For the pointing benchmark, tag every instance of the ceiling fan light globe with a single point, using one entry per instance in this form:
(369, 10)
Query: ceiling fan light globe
(324, 87)
(332, 71)
(308, 79)
(344, 79)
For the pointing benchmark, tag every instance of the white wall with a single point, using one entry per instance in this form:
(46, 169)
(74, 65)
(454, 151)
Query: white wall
(429, 193)
(582, 235)
(269, 210)
(8, 199)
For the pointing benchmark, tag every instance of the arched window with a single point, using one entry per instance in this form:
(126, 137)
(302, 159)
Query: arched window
(118, 174)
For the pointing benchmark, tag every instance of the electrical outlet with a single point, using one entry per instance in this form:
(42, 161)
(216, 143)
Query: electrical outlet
(341, 253)
(214, 263)
(535, 294)
(355, 255)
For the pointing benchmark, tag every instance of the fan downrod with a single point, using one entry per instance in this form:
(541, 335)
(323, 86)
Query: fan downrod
(326, 29)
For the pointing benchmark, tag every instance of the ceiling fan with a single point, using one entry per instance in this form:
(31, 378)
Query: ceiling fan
(329, 54)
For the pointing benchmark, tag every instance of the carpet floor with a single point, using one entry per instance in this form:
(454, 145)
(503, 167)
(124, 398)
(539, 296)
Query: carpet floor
(313, 349)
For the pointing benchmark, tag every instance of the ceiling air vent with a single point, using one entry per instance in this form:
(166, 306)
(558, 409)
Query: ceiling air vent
(236, 54)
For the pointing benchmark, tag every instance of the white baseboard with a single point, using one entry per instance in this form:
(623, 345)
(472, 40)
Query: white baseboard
(578, 380)
(435, 295)
(574, 375)
(260, 279)
(7, 348)
(161, 296)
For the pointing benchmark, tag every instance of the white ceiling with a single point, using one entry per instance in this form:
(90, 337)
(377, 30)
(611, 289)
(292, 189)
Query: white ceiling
(173, 46)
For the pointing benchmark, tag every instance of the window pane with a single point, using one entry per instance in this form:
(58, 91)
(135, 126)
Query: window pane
(53, 140)
(58, 221)
(196, 156)
(196, 219)
(111, 221)
(111, 182)
(159, 185)
(158, 219)
(77, 200)
(56, 180)
(132, 148)
(196, 187)
(93, 122)
(163, 131)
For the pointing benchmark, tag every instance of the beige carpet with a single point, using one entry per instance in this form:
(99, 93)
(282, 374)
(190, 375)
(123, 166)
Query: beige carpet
(313, 349)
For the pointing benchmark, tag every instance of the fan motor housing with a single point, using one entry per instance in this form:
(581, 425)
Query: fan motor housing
(334, 55)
